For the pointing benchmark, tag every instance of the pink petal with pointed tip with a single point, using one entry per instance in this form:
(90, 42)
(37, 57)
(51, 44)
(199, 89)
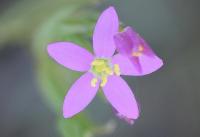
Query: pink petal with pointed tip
(70, 55)
(107, 25)
(121, 97)
(79, 95)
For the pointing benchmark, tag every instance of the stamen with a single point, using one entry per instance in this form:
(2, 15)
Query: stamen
(108, 71)
(140, 48)
(104, 81)
(136, 54)
(117, 69)
(139, 52)
(94, 82)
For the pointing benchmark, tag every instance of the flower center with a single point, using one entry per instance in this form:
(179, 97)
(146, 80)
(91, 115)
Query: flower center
(102, 68)
(138, 52)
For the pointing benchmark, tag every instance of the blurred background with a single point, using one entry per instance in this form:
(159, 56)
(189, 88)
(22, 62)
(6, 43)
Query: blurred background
(32, 86)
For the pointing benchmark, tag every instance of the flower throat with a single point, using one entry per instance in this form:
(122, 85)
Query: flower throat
(102, 68)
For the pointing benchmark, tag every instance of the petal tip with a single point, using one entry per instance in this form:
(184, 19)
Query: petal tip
(129, 120)
(134, 115)
(66, 114)
(128, 28)
(161, 63)
(112, 8)
(51, 46)
(50, 49)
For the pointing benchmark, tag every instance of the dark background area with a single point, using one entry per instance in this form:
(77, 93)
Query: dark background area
(169, 98)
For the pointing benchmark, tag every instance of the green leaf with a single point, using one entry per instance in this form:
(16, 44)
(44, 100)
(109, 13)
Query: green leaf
(76, 127)
(19, 21)
(81, 127)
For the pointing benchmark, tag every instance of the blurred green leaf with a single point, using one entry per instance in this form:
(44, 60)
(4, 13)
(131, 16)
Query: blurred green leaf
(76, 127)
(19, 21)
(73, 128)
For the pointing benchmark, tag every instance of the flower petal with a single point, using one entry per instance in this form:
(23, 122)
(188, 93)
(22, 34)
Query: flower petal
(79, 95)
(121, 97)
(103, 37)
(70, 55)
(125, 65)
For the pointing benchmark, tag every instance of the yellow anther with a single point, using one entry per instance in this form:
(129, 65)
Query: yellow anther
(136, 54)
(98, 62)
(103, 81)
(117, 69)
(94, 82)
(108, 70)
(140, 48)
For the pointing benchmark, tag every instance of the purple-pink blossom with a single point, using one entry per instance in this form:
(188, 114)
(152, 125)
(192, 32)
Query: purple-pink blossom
(103, 69)
(134, 48)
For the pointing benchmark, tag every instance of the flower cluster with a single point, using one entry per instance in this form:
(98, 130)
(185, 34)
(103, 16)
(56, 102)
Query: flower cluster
(104, 68)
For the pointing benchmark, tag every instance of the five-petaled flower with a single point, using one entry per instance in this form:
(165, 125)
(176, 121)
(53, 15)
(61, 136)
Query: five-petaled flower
(103, 69)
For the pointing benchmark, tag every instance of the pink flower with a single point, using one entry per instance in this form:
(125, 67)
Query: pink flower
(135, 50)
(101, 70)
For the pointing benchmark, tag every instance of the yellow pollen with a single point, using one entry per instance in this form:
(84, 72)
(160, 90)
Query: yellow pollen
(94, 82)
(117, 69)
(104, 81)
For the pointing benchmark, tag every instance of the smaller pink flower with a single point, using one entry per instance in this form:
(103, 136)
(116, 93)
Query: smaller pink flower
(103, 69)
(135, 50)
